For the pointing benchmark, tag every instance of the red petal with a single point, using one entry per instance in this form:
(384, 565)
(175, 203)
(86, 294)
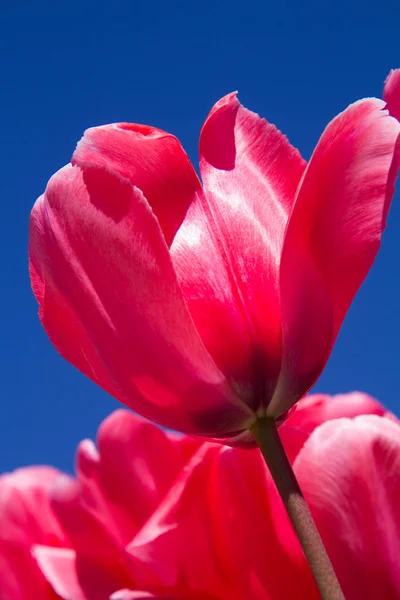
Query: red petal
(176, 544)
(224, 511)
(349, 471)
(152, 160)
(73, 579)
(227, 251)
(313, 411)
(58, 565)
(131, 595)
(332, 239)
(112, 306)
(26, 518)
(128, 475)
(391, 93)
(92, 532)
(134, 595)
(168, 595)
(252, 530)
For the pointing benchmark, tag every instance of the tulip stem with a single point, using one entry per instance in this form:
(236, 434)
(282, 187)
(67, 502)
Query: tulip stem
(266, 435)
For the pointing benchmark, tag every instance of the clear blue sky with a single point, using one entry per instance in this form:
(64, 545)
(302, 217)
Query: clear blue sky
(66, 66)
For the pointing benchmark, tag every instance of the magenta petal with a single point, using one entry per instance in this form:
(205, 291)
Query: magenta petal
(332, 239)
(227, 251)
(109, 297)
(152, 160)
(176, 543)
(133, 595)
(354, 500)
(391, 93)
(144, 595)
(71, 578)
(217, 517)
(313, 411)
(128, 476)
(58, 565)
(251, 529)
(92, 532)
(26, 518)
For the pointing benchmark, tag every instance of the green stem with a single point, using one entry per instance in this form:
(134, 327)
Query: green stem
(266, 435)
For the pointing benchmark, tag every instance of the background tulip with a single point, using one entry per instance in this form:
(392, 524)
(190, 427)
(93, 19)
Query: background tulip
(196, 525)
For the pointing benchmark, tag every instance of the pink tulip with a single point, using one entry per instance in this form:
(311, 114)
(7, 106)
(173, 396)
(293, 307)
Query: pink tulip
(204, 306)
(153, 515)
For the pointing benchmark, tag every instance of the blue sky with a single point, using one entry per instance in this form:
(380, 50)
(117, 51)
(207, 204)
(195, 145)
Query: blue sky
(69, 66)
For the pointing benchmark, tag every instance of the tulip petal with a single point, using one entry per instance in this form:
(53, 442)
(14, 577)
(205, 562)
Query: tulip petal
(313, 411)
(263, 542)
(223, 511)
(332, 239)
(142, 595)
(227, 251)
(176, 544)
(133, 595)
(354, 500)
(58, 565)
(126, 480)
(391, 93)
(109, 297)
(71, 578)
(26, 518)
(93, 533)
(152, 160)
(22, 494)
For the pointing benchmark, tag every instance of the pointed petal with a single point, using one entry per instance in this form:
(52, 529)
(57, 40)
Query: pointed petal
(227, 251)
(354, 500)
(332, 239)
(109, 297)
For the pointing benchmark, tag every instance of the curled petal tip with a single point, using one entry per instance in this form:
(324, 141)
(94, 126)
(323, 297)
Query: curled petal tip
(391, 93)
(227, 100)
(220, 152)
(87, 457)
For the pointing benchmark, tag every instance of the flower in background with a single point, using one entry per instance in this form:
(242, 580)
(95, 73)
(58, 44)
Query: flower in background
(205, 306)
(154, 515)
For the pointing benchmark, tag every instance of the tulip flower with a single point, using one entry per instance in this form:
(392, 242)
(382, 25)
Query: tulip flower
(195, 525)
(207, 306)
